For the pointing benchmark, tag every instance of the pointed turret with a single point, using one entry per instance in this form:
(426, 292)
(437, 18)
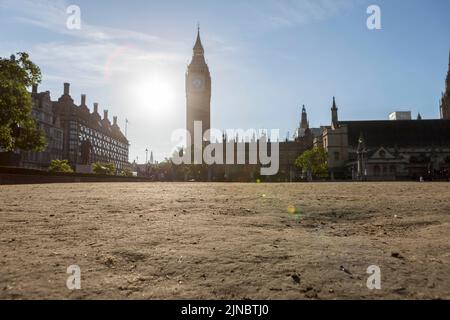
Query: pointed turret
(304, 122)
(334, 115)
(445, 101)
(198, 47)
(448, 73)
(198, 62)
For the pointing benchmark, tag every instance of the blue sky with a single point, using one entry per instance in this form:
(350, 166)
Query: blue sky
(266, 58)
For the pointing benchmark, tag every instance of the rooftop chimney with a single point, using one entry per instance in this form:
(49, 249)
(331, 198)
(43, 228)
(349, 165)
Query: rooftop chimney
(83, 99)
(95, 107)
(105, 114)
(115, 120)
(34, 88)
(66, 88)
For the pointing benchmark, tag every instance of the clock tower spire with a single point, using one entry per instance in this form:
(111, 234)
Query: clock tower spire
(198, 90)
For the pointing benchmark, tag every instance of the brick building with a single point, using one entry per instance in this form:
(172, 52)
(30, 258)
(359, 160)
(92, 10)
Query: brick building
(108, 144)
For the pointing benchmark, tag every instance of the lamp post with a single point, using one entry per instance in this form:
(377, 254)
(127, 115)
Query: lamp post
(146, 163)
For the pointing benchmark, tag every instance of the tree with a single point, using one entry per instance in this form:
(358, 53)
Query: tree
(313, 162)
(104, 168)
(60, 166)
(126, 172)
(163, 171)
(17, 128)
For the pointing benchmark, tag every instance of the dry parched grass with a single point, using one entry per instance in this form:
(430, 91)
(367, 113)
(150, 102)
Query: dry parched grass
(225, 241)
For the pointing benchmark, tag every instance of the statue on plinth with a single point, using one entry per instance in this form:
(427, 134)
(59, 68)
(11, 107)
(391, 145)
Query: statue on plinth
(86, 149)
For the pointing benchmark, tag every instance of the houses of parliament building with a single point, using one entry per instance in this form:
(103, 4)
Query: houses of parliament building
(396, 149)
(401, 148)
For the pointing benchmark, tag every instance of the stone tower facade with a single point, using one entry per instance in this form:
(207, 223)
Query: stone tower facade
(304, 124)
(198, 91)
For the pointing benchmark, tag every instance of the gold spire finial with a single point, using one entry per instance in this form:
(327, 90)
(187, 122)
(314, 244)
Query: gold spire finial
(198, 47)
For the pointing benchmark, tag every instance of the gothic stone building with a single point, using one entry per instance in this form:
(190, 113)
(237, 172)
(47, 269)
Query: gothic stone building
(387, 149)
(107, 142)
(49, 123)
(198, 108)
(68, 127)
(359, 150)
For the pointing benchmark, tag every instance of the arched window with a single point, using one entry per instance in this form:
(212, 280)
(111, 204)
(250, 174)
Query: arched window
(382, 154)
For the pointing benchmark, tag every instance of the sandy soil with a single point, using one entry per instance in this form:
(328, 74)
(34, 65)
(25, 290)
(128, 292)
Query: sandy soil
(225, 241)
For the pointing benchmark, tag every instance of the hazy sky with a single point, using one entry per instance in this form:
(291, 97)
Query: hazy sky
(266, 58)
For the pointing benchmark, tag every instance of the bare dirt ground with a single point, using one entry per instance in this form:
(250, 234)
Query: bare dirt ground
(225, 241)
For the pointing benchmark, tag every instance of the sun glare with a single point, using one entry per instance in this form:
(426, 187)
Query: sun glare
(154, 95)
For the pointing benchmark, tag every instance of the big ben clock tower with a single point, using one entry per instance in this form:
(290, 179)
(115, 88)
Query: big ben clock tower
(198, 90)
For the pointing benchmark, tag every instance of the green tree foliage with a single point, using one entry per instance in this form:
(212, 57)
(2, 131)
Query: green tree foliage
(104, 168)
(17, 127)
(126, 172)
(60, 166)
(314, 162)
(163, 170)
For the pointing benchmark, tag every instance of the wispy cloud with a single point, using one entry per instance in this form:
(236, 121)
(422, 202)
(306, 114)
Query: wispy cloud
(94, 53)
(104, 61)
(52, 16)
(299, 12)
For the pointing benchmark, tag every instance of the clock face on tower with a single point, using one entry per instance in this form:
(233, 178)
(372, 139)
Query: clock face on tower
(197, 83)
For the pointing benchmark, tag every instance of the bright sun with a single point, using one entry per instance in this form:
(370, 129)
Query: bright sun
(155, 95)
